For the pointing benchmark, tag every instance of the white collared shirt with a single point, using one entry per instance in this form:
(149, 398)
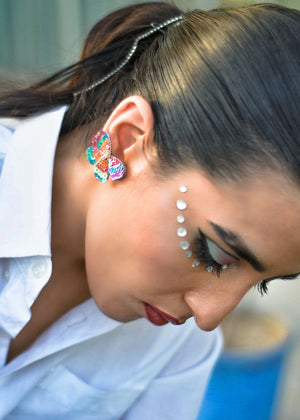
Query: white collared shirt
(86, 365)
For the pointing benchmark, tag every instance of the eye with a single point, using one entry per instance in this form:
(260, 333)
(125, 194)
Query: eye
(211, 254)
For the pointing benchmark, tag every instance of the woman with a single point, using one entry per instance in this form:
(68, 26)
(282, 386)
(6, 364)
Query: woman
(155, 180)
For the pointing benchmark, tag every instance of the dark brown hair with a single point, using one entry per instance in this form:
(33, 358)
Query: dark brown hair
(224, 85)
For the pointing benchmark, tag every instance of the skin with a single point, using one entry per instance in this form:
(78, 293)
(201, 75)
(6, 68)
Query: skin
(124, 233)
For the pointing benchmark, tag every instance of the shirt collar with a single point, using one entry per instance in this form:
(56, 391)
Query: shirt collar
(81, 323)
(26, 186)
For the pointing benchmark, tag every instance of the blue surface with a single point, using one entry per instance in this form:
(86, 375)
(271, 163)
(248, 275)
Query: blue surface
(244, 386)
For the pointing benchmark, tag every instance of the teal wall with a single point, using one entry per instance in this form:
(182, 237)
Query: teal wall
(40, 36)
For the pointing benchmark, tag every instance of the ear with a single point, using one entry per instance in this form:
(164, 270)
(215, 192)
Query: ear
(130, 127)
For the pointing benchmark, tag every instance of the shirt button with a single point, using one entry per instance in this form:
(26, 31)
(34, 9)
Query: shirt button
(39, 270)
(6, 275)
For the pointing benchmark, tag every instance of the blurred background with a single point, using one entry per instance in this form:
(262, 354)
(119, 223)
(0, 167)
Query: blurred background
(38, 37)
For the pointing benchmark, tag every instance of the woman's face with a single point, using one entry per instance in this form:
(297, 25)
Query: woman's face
(241, 233)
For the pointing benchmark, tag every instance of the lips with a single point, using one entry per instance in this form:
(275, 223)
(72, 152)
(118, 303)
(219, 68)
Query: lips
(158, 317)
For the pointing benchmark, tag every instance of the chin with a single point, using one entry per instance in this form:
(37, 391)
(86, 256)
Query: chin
(123, 318)
(117, 315)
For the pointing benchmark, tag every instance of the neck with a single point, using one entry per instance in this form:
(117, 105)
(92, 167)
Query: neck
(69, 202)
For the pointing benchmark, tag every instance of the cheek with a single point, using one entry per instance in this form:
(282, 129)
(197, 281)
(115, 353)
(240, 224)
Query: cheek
(134, 250)
(154, 252)
(158, 248)
(116, 257)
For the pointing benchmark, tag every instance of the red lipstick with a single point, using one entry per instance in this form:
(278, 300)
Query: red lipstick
(158, 317)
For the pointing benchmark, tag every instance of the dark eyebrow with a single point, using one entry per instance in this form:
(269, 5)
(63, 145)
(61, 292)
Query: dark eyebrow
(236, 243)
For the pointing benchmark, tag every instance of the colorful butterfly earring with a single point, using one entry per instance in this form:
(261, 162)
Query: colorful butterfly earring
(100, 155)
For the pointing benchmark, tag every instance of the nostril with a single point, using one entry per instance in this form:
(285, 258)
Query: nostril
(183, 319)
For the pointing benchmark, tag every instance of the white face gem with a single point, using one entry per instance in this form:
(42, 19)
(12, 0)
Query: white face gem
(196, 263)
(224, 266)
(181, 232)
(209, 268)
(181, 205)
(184, 245)
(188, 254)
(180, 218)
(183, 188)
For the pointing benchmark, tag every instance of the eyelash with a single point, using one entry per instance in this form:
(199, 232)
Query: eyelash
(262, 287)
(203, 255)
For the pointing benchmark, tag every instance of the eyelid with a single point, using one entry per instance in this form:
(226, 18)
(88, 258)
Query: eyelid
(218, 254)
(217, 245)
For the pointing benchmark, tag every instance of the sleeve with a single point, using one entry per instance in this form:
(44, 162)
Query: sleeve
(178, 391)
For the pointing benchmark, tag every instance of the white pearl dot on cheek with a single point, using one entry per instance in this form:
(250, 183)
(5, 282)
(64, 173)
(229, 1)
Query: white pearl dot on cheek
(181, 232)
(181, 205)
(184, 245)
(196, 263)
(183, 188)
(180, 218)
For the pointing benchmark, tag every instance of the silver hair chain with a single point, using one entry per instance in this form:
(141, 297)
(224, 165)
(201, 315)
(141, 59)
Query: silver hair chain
(155, 28)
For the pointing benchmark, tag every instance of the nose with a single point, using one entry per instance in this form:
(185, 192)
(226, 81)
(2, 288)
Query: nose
(210, 309)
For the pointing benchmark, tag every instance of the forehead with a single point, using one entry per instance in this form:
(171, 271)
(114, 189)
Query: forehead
(263, 210)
